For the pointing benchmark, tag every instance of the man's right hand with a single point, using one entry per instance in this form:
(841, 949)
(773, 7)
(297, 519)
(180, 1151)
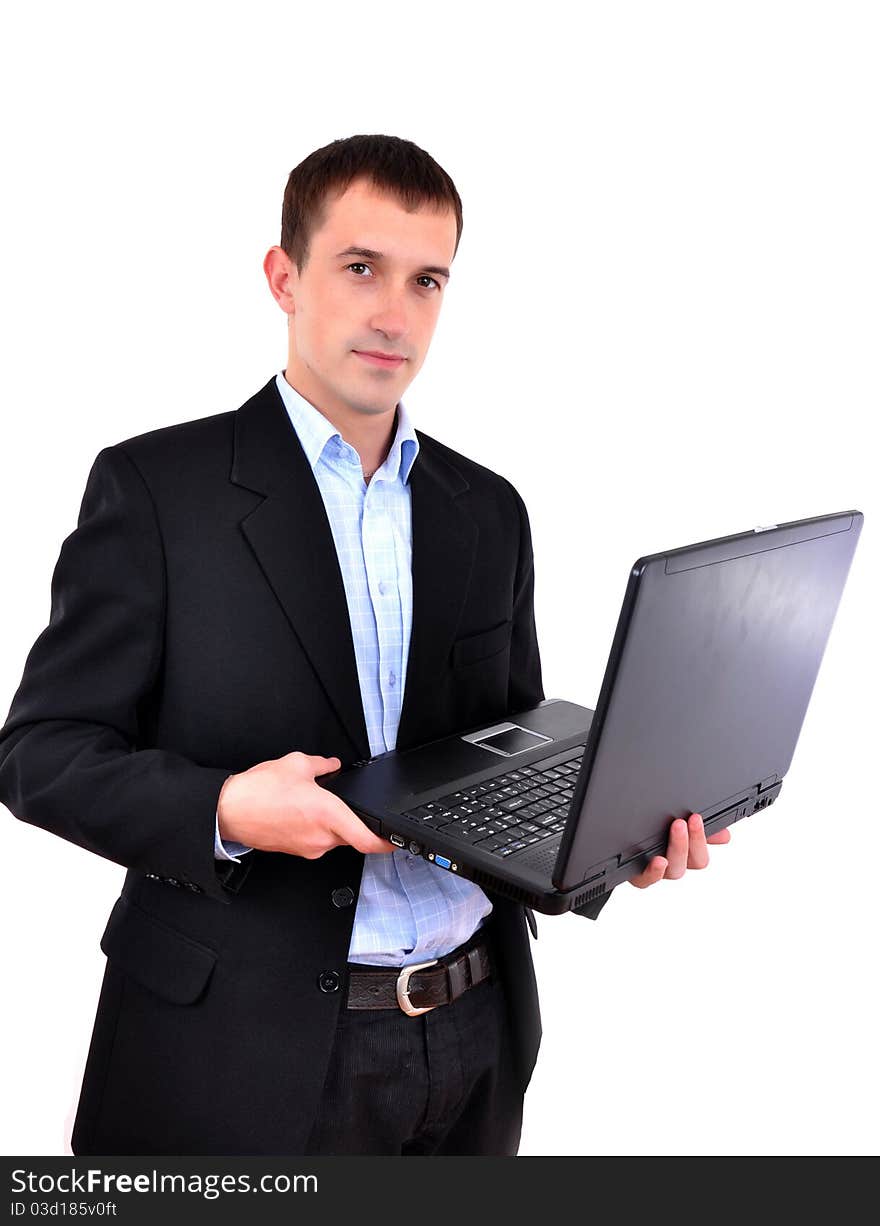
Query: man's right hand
(277, 806)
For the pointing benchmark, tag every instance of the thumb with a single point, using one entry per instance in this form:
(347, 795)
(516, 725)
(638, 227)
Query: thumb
(322, 766)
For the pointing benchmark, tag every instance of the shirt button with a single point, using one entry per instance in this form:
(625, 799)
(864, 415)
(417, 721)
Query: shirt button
(383, 587)
(343, 897)
(328, 981)
(391, 679)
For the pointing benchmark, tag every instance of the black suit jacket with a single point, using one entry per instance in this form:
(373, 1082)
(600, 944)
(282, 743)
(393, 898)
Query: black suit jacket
(198, 626)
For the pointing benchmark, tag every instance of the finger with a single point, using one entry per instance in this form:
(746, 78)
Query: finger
(653, 873)
(720, 836)
(322, 766)
(698, 852)
(349, 828)
(372, 844)
(677, 849)
(362, 839)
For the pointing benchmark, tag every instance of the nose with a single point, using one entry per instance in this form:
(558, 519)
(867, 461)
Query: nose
(390, 317)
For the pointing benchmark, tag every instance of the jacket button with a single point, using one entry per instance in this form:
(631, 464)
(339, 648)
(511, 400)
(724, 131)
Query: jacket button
(328, 981)
(343, 897)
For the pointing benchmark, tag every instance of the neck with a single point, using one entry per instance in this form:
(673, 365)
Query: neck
(370, 434)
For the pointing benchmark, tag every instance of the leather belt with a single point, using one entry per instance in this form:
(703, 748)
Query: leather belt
(421, 986)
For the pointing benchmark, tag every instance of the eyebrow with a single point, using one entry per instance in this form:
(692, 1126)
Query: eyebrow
(377, 255)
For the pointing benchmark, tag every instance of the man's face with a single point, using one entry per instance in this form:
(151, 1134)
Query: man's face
(345, 303)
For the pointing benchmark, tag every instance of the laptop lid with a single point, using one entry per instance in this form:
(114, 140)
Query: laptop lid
(710, 672)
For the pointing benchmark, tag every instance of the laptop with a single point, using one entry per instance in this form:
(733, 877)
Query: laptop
(708, 680)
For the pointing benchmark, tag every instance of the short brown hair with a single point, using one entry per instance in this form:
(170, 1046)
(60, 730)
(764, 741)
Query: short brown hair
(390, 163)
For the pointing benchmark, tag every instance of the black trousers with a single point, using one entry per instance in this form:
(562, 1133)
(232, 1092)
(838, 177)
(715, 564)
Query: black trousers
(439, 1083)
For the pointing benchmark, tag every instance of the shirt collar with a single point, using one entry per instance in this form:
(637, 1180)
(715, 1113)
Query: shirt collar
(318, 435)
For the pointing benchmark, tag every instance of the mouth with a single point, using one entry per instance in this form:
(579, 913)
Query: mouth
(377, 358)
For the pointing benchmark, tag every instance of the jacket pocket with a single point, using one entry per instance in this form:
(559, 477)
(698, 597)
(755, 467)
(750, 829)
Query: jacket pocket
(158, 957)
(483, 645)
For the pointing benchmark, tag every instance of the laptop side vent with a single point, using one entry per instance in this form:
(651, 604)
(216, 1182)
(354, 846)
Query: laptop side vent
(518, 895)
(509, 891)
(588, 895)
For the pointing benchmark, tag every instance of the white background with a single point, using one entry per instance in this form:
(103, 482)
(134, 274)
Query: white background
(662, 327)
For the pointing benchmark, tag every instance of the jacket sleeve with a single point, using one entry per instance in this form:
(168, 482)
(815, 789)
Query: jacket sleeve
(526, 686)
(71, 761)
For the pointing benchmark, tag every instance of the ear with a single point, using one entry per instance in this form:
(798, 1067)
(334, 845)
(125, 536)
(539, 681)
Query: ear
(282, 276)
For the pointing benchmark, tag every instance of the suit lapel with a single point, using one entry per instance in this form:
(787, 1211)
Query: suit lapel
(290, 535)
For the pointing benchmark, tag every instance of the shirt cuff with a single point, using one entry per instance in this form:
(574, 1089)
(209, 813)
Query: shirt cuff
(226, 850)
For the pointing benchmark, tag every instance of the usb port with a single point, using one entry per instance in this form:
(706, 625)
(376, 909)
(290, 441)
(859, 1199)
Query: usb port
(398, 840)
(442, 861)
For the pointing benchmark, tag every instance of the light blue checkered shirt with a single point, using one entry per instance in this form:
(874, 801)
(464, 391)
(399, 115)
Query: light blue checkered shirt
(407, 911)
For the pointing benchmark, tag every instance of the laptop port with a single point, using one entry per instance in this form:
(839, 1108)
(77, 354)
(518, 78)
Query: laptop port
(443, 861)
(415, 847)
(398, 840)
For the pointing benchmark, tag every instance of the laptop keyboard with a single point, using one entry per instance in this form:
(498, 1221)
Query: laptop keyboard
(509, 812)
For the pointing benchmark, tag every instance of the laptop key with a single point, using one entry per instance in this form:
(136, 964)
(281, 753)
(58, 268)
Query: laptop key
(460, 812)
(533, 810)
(435, 820)
(475, 834)
(457, 829)
(489, 844)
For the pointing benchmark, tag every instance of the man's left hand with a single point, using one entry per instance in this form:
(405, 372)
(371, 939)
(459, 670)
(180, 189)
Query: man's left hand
(687, 848)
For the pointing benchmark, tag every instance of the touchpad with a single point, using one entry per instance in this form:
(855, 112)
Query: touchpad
(509, 741)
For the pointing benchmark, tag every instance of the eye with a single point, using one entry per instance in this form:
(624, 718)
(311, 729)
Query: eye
(423, 277)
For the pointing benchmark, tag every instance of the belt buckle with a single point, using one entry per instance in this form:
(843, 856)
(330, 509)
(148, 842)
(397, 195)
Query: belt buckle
(402, 987)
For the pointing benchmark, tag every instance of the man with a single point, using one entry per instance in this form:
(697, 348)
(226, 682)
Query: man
(251, 600)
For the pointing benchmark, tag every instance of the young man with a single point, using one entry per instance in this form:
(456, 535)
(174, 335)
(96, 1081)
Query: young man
(251, 600)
